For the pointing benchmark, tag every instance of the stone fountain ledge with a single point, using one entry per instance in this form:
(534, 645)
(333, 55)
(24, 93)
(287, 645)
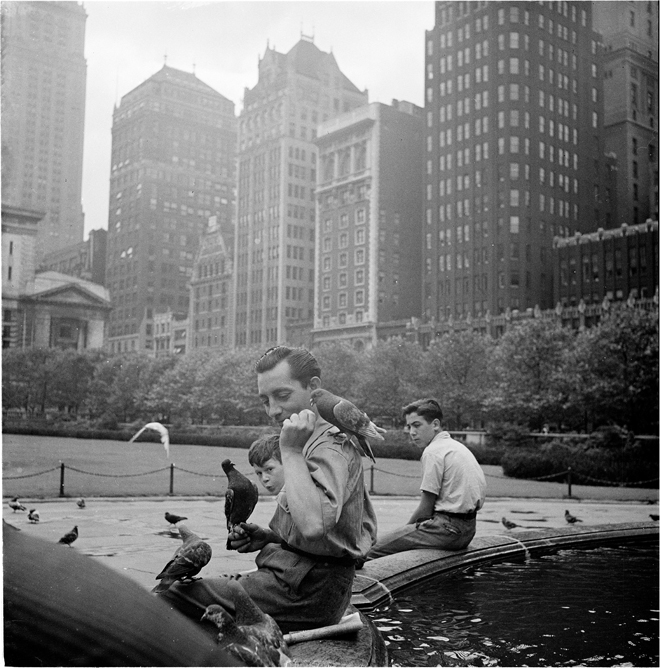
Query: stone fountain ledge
(382, 578)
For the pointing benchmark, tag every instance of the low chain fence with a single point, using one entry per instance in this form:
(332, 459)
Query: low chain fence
(568, 477)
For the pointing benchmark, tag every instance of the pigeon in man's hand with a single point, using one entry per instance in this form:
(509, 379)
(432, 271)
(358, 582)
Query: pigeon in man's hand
(33, 516)
(81, 503)
(508, 524)
(173, 519)
(571, 519)
(252, 636)
(69, 537)
(15, 504)
(188, 560)
(348, 418)
(240, 498)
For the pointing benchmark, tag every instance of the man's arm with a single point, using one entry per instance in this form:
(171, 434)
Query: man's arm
(425, 508)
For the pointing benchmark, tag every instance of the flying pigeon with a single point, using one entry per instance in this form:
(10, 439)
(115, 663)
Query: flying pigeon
(68, 538)
(15, 504)
(188, 560)
(240, 498)
(80, 503)
(253, 636)
(173, 519)
(508, 524)
(571, 519)
(655, 518)
(33, 516)
(348, 418)
(164, 435)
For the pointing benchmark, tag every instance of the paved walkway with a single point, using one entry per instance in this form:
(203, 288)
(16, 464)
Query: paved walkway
(130, 535)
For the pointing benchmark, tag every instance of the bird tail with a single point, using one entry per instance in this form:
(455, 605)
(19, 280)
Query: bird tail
(365, 448)
(162, 586)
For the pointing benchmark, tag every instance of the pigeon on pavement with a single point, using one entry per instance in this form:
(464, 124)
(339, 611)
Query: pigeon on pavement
(15, 504)
(508, 524)
(348, 418)
(252, 630)
(33, 515)
(188, 560)
(571, 519)
(173, 519)
(240, 498)
(69, 537)
(80, 503)
(164, 435)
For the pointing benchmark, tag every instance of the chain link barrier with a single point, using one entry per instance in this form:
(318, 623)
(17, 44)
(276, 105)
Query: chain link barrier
(29, 475)
(116, 475)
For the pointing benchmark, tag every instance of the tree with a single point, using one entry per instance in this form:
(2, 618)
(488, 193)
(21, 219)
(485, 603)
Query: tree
(341, 367)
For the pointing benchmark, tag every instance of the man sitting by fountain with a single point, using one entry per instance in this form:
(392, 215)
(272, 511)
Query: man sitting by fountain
(453, 488)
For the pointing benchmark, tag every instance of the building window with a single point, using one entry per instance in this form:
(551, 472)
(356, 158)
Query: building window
(359, 297)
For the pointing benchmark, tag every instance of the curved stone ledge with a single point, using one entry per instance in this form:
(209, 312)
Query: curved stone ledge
(380, 579)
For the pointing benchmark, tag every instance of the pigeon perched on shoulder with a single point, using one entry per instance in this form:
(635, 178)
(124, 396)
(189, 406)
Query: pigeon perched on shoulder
(80, 503)
(253, 633)
(571, 519)
(173, 519)
(348, 418)
(240, 498)
(188, 560)
(15, 504)
(69, 537)
(508, 524)
(33, 516)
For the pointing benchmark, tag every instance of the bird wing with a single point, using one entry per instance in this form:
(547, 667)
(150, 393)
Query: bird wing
(164, 434)
(357, 421)
(229, 505)
(136, 435)
(187, 560)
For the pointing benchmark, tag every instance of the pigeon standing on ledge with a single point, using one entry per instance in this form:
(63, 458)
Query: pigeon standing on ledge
(571, 519)
(240, 498)
(188, 560)
(508, 524)
(348, 418)
(15, 504)
(69, 537)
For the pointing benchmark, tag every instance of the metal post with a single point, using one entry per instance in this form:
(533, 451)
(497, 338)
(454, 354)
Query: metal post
(61, 478)
(172, 479)
(371, 484)
(569, 480)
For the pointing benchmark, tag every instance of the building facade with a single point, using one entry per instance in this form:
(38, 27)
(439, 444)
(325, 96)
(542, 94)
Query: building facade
(514, 110)
(173, 155)
(44, 76)
(369, 195)
(84, 260)
(170, 334)
(274, 243)
(630, 88)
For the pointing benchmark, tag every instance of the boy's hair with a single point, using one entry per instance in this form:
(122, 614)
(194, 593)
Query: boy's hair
(264, 448)
(428, 408)
(302, 363)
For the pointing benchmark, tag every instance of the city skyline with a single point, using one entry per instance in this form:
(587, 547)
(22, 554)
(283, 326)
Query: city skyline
(387, 59)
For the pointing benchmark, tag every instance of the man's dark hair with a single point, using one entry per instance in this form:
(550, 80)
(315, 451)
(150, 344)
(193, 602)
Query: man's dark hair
(428, 408)
(264, 448)
(302, 363)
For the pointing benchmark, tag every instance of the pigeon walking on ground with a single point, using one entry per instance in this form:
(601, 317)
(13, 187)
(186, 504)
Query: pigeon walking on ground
(252, 636)
(80, 503)
(188, 560)
(508, 524)
(15, 504)
(240, 498)
(173, 519)
(348, 418)
(33, 516)
(571, 519)
(69, 537)
(164, 435)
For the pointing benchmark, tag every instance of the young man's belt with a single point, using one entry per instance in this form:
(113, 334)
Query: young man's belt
(320, 558)
(461, 516)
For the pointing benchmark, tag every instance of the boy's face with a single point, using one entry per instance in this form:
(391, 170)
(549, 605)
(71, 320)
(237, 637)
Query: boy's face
(270, 475)
(421, 432)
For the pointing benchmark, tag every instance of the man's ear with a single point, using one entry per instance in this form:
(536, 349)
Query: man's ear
(314, 383)
(436, 425)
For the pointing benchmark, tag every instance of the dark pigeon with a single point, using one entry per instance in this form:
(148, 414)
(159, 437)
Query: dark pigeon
(571, 519)
(173, 519)
(15, 504)
(348, 418)
(33, 516)
(508, 524)
(70, 537)
(240, 498)
(188, 560)
(81, 503)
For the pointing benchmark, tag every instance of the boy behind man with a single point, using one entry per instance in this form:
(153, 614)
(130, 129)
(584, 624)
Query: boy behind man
(453, 488)
(266, 460)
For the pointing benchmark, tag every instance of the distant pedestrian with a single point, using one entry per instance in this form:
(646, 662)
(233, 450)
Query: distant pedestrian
(453, 488)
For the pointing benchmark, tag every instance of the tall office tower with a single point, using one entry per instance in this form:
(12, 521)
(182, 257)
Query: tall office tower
(274, 253)
(43, 116)
(173, 153)
(514, 118)
(370, 188)
(630, 88)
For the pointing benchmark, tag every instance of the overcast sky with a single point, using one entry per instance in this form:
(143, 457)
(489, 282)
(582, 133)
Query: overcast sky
(378, 44)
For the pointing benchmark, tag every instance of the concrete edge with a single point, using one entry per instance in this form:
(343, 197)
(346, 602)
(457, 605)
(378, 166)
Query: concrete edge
(380, 579)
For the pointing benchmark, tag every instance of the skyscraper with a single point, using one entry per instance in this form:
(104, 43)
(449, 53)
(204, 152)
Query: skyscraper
(514, 117)
(173, 152)
(370, 187)
(630, 87)
(274, 242)
(43, 116)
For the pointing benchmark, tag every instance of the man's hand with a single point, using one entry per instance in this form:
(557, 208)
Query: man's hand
(250, 537)
(296, 431)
